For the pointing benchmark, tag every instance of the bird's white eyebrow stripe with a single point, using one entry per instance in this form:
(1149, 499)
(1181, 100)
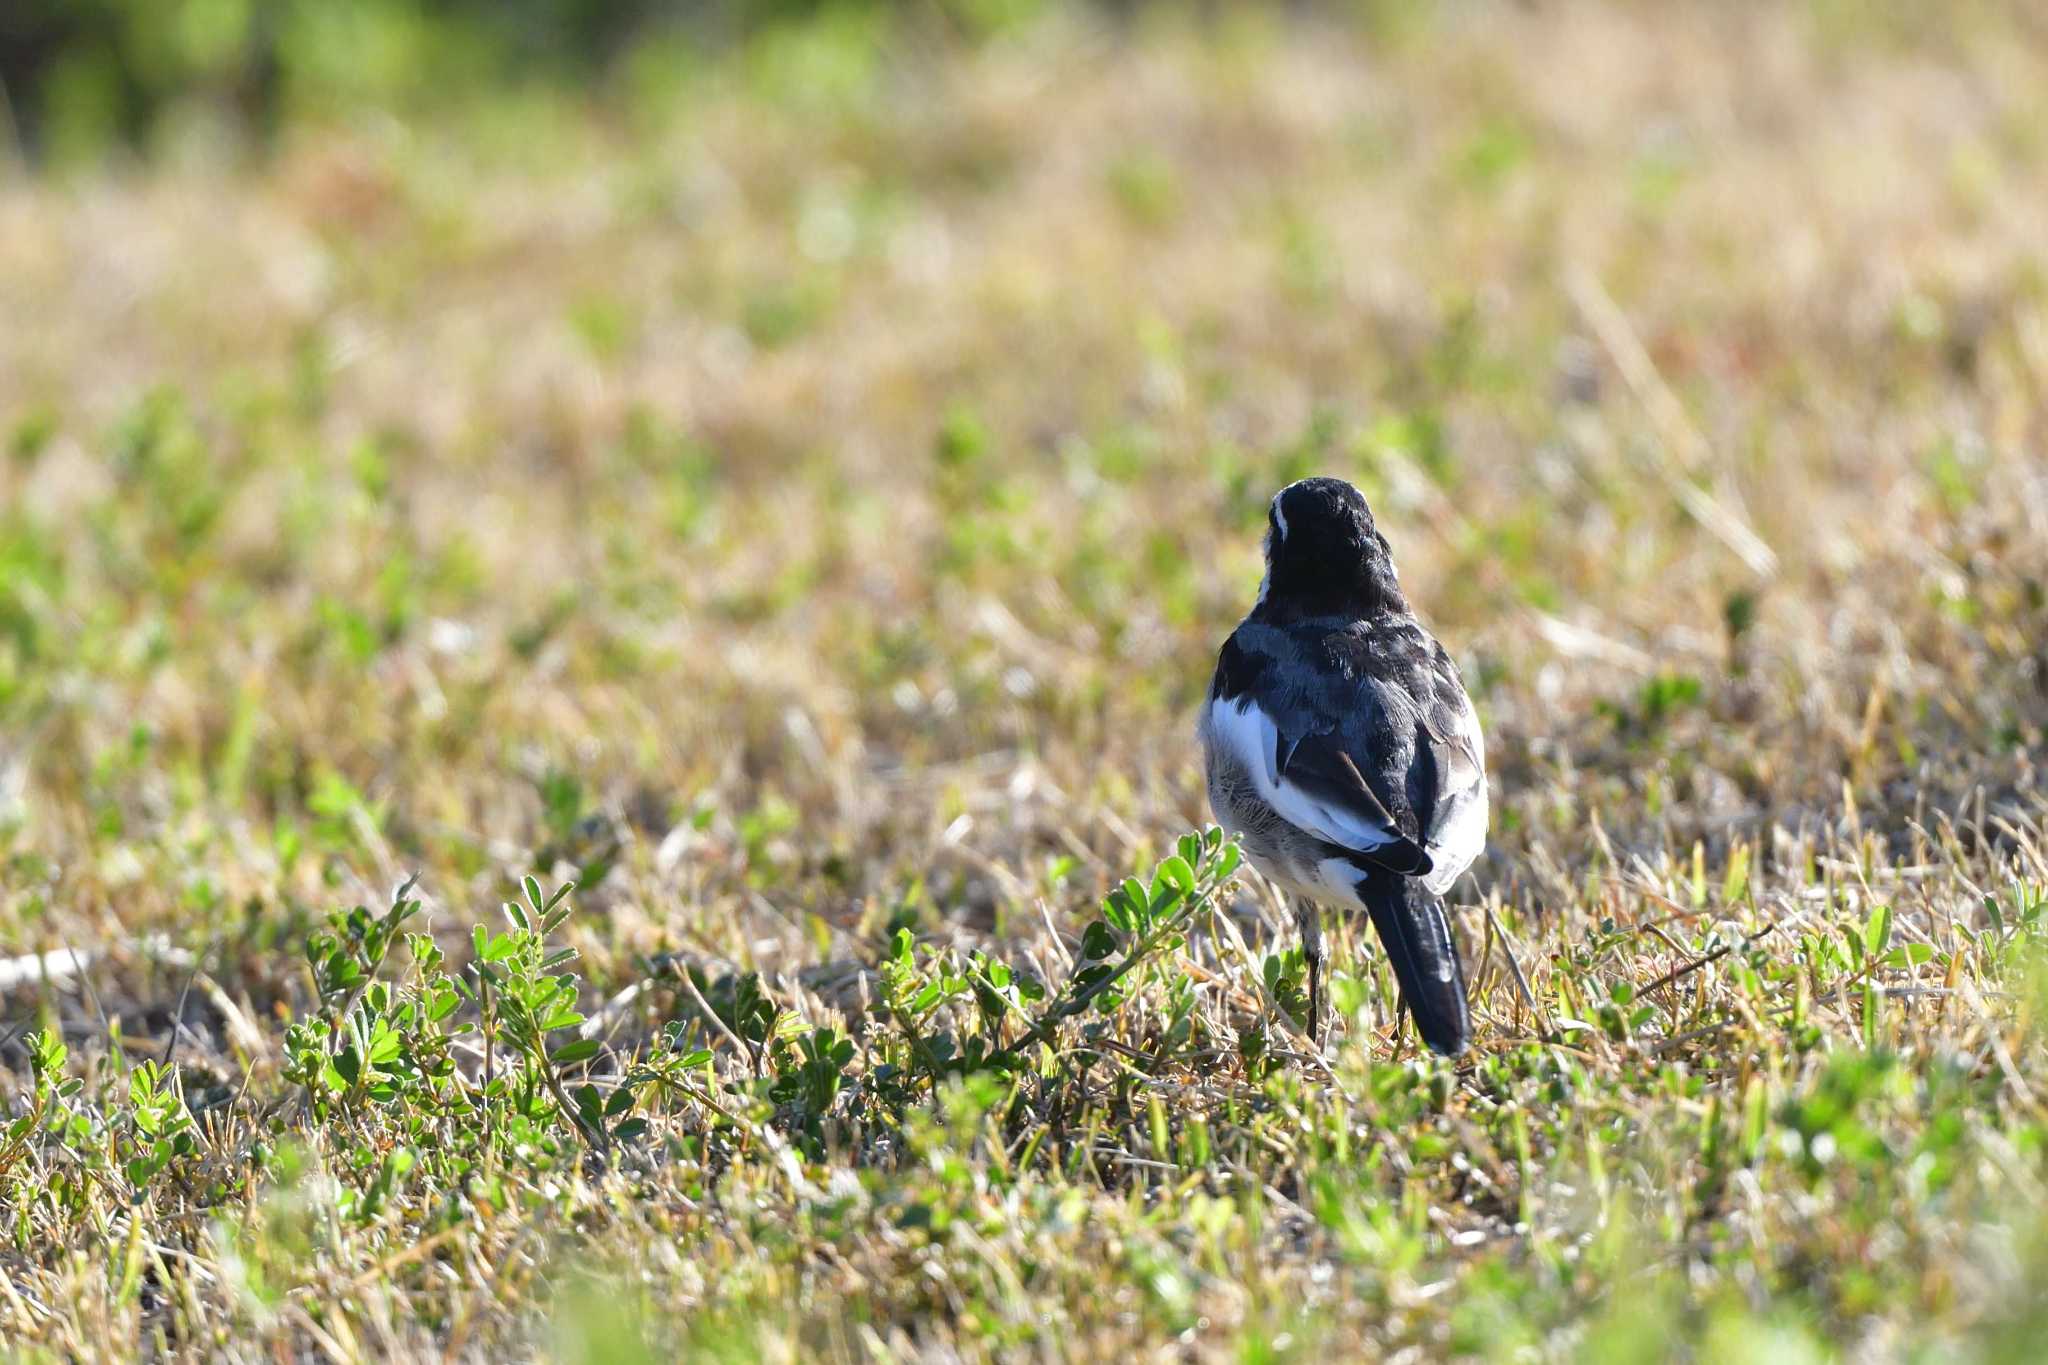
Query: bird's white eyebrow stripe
(1280, 517)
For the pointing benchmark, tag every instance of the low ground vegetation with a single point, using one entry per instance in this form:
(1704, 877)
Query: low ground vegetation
(596, 698)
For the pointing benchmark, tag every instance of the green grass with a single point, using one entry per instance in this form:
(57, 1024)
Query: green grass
(795, 499)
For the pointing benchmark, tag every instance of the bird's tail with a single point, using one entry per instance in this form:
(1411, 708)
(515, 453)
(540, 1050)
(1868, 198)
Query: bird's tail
(1417, 935)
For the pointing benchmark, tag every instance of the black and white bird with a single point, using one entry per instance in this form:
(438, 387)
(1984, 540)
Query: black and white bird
(1345, 755)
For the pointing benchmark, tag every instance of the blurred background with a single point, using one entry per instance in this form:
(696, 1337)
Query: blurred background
(789, 467)
(819, 447)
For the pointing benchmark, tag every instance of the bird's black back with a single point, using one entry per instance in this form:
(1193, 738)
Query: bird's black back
(1376, 689)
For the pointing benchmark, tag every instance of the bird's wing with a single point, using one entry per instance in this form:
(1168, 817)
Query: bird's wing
(1314, 785)
(1454, 831)
(1305, 761)
(1364, 738)
(1319, 772)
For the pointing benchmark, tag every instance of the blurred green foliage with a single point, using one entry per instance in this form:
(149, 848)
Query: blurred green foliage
(82, 76)
(79, 78)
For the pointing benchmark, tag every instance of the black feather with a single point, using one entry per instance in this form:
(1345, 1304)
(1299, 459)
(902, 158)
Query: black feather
(1327, 773)
(1416, 932)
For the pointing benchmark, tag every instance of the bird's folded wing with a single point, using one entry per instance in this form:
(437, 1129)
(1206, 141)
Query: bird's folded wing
(1313, 784)
(1455, 830)
(1320, 770)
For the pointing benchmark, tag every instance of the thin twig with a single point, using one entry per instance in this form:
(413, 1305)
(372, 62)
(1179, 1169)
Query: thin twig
(178, 1013)
(1515, 970)
(1705, 959)
(690, 984)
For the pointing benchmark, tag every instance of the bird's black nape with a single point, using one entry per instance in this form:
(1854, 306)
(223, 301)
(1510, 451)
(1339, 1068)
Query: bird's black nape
(1324, 556)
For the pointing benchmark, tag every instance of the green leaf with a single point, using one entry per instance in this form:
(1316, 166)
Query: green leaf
(385, 1046)
(46, 1052)
(1097, 941)
(1736, 883)
(589, 1103)
(1877, 933)
(1135, 896)
(1179, 873)
(1164, 898)
(581, 1050)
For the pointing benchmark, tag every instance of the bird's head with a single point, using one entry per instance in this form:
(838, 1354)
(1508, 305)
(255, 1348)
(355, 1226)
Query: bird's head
(1324, 555)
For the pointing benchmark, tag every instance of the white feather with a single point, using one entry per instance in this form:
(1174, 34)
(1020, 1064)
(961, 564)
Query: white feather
(1460, 833)
(1337, 883)
(1250, 734)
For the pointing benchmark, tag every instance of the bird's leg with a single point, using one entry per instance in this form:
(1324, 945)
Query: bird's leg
(1309, 920)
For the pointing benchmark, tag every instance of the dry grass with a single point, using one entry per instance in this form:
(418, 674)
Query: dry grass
(805, 503)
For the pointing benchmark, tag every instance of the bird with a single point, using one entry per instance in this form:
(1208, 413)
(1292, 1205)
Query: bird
(1344, 754)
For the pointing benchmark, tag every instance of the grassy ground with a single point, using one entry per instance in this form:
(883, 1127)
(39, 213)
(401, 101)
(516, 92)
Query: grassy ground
(798, 498)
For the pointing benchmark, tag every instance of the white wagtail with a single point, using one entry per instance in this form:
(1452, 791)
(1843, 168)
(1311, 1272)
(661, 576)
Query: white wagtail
(1344, 754)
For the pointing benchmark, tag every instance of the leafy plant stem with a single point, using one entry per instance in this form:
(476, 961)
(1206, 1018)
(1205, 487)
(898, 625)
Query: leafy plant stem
(1042, 1031)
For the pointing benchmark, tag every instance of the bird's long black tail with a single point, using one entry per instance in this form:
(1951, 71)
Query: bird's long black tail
(1417, 935)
